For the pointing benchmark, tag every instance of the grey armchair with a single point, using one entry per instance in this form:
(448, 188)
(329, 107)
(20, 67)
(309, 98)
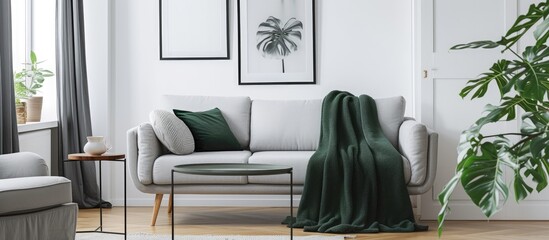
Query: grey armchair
(34, 205)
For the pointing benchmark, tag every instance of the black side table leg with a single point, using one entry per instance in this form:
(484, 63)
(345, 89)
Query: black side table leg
(125, 205)
(173, 208)
(100, 199)
(291, 205)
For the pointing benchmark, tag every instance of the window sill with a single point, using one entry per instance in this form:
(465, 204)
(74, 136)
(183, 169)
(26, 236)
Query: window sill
(36, 126)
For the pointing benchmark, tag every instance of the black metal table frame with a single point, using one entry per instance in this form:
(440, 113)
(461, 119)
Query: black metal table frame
(100, 228)
(291, 198)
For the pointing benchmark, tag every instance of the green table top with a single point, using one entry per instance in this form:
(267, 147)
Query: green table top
(232, 169)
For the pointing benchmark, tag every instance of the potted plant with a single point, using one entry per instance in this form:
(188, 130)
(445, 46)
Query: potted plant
(27, 83)
(523, 84)
(20, 111)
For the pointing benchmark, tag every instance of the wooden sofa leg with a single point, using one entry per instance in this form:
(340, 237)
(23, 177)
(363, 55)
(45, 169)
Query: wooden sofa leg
(157, 202)
(170, 204)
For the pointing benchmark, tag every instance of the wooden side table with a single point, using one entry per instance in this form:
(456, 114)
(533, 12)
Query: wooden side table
(113, 157)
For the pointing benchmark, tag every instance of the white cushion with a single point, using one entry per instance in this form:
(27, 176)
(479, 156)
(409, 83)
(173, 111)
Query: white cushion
(172, 132)
(236, 111)
(164, 164)
(296, 159)
(26, 194)
(278, 125)
(294, 125)
(413, 142)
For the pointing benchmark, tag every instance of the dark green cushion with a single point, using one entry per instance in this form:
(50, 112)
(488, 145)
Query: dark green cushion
(210, 130)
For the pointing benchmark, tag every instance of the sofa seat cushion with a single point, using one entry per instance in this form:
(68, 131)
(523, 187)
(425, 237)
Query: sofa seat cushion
(28, 194)
(164, 164)
(296, 159)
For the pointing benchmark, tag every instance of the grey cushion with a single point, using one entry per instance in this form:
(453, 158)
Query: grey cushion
(413, 142)
(236, 110)
(278, 125)
(28, 194)
(172, 132)
(165, 163)
(149, 149)
(296, 159)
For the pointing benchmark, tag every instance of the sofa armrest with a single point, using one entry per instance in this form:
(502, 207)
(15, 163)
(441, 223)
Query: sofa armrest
(22, 164)
(419, 145)
(143, 149)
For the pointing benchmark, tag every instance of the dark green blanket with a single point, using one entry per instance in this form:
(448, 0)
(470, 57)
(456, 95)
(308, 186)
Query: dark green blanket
(354, 182)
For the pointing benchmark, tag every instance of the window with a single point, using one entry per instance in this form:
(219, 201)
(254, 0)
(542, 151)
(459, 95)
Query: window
(33, 28)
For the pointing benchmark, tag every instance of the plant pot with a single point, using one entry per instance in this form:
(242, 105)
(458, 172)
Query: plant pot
(34, 109)
(21, 112)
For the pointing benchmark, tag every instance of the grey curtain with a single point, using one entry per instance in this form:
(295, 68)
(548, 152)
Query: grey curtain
(9, 136)
(73, 103)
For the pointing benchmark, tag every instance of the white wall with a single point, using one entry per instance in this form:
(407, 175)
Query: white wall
(362, 47)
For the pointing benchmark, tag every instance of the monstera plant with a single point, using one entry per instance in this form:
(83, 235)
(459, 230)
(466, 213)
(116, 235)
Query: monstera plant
(278, 41)
(523, 84)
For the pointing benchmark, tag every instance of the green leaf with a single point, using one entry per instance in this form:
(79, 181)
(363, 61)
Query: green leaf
(545, 165)
(530, 73)
(524, 23)
(482, 179)
(45, 71)
(444, 199)
(537, 145)
(498, 72)
(33, 57)
(541, 29)
(520, 187)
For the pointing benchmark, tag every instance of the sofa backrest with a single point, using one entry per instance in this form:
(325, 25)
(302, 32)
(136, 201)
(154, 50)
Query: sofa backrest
(294, 125)
(285, 125)
(236, 111)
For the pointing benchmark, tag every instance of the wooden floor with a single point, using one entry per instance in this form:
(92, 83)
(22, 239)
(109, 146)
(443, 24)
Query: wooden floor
(265, 221)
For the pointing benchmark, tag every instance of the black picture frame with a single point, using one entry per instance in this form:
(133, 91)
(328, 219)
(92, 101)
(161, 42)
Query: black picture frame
(170, 30)
(254, 70)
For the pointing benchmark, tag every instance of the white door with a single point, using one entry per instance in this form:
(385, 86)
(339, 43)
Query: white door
(441, 25)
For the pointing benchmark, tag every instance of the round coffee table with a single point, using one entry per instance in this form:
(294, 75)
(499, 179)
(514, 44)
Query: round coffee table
(235, 169)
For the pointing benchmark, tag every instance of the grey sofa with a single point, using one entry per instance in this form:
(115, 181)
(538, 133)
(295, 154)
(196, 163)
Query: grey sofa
(33, 205)
(284, 132)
